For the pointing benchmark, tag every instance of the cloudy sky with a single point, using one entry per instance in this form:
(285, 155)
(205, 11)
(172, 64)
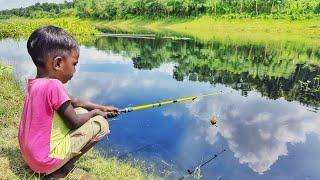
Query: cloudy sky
(9, 4)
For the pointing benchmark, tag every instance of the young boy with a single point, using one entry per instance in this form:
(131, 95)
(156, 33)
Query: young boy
(52, 134)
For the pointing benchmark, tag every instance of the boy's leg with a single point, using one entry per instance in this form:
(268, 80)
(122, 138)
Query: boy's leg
(82, 139)
(65, 169)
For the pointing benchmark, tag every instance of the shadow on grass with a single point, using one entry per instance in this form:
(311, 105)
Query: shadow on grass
(17, 165)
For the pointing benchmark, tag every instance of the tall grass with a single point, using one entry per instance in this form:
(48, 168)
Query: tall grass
(82, 30)
(298, 33)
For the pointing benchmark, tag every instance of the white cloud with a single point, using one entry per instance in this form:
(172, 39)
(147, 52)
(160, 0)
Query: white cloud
(90, 55)
(173, 112)
(90, 85)
(166, 68)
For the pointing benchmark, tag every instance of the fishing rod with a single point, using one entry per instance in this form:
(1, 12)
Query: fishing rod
(147, 106)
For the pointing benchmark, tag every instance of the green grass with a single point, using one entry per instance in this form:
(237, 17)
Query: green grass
(82, 30)
(274, 32)
(241, 31)
(12, 165)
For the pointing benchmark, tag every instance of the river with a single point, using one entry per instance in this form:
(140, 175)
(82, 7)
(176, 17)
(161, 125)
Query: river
(268, 122)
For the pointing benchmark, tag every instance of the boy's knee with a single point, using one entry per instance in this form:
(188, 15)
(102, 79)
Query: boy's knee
(80, 110)
(99, 124)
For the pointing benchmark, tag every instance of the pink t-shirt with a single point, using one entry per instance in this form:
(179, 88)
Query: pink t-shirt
(43, 98)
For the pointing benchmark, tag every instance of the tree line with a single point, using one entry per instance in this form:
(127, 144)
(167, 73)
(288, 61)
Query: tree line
(124, 9)
(39, 10)
(109, 9)
(242, 67)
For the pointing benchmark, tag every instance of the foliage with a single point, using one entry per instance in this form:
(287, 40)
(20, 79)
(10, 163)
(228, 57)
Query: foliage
(120, 9)
(11, 98)
(197, 173)
(104, 167)
(310, 88)
(241, 31)
(5, 69)
(39, 10)
(126, 9)
(22, 28)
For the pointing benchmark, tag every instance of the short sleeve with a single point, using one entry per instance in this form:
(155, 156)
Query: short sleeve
(57, 94)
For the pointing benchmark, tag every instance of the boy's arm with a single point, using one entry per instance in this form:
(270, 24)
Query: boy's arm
(91, 106)
(74, 120)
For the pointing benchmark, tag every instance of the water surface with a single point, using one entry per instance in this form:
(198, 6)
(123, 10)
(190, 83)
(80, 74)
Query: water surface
(268, 123)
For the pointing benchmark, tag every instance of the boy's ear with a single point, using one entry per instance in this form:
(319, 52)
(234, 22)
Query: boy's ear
(57, 61)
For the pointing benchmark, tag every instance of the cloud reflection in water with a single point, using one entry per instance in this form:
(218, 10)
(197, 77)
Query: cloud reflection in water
(257, 136)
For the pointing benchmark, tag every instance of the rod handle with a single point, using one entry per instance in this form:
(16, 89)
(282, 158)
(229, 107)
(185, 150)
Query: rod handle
(125, 110)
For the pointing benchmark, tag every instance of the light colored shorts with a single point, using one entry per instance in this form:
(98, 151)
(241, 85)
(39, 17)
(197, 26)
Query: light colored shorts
(96, 128)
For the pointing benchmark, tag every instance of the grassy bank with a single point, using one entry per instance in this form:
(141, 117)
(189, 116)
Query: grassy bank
(12, 165)
(274, 32)
(82, 30)
(241, 31)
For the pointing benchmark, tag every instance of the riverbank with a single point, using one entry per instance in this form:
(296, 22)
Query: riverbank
(21, 28)
(242, 30)
(12, 165)
(259, 31)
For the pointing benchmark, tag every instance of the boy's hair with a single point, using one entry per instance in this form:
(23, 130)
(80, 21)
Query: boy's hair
(48, 42)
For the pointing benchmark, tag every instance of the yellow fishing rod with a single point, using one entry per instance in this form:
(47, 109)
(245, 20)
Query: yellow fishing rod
(146, 106)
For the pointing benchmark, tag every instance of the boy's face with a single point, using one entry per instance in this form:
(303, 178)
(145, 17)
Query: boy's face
(68, 66)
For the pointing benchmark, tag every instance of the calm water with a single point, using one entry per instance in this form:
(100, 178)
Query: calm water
(268, 123)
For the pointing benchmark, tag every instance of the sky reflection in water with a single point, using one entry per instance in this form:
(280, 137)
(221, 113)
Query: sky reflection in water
(264, 138)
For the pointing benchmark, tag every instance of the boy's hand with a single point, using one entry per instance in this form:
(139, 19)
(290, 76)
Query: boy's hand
(111, 111)
(105, 114)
